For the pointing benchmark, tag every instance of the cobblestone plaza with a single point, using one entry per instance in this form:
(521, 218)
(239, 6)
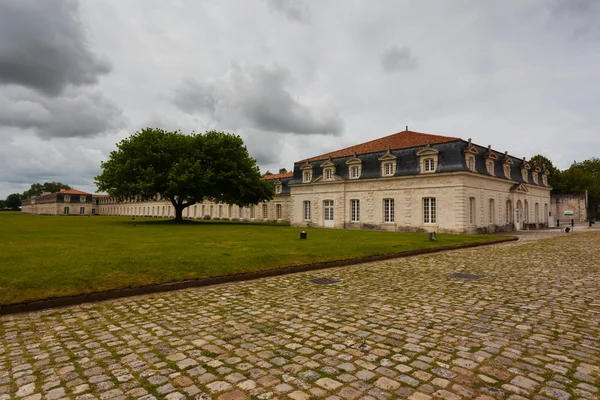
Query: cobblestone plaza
(526, 325)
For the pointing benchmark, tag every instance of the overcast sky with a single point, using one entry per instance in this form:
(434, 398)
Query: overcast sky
(294, 78)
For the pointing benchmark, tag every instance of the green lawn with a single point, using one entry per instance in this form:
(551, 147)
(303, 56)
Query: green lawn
(46, 256)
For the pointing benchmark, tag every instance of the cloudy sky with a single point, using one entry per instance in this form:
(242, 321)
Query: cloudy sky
(294, 78)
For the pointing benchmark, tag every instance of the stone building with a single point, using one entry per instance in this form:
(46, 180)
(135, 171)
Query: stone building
(65, 202)
(412, 181)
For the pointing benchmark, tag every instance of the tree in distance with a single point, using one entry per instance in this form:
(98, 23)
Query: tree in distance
(185, 169)
(13, 201)
(51, 187)
(2, 204)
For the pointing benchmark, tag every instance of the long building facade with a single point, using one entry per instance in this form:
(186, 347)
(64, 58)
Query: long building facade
(408, 181)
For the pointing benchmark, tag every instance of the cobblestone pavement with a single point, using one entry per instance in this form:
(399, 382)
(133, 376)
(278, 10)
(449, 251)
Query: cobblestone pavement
(530, 328)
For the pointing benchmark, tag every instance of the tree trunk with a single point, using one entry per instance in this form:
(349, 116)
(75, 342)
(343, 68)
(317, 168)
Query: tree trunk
(178, 212)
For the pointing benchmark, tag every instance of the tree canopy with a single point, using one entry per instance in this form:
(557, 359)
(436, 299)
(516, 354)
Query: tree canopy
(578, 178)
(13, 201)
(185, 169)
(37, 189)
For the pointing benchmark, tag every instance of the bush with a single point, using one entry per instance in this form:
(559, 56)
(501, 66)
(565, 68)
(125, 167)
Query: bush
(206, 217)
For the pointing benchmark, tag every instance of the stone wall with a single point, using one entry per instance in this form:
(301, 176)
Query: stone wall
(164, 209)
(452, 192)
(568, 202)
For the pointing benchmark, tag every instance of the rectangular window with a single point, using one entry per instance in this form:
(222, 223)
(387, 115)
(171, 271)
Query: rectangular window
(429, 210)
(471, 163)
(252, 212)
(203, 210)
(307, 210)
(471, 210)
(388, 210)
(355, 210)
(279, 211)
(66, 210)
(265, 211)
(328, 210)
(328, 174)
(388, 169)
(81, 210)
(429, 165)
(277, 189)
(220, 211)
(537, 212)
(211, 211)
(230, 212)
(354, 172)
(306, 176)
(492, 212)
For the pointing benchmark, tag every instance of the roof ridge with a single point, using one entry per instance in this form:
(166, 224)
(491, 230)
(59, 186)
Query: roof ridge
(404, 140)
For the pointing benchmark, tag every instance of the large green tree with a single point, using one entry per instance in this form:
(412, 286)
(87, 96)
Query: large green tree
(37, 189)
(185, 169)
(2, 204)
(543, 161)
(13, 201)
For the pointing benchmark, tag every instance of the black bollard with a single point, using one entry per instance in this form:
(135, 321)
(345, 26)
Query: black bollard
(557, 222)
(572, 222)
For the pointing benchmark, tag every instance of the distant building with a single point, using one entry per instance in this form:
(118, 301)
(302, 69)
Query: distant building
(408, 181)
(65, 202)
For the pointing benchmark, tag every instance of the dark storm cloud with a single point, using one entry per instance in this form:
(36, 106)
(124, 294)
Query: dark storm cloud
(295, 10)
(82, 113)
(259, 97)
(43, 46)
(396, 59)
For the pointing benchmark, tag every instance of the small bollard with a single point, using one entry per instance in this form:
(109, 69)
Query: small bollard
(557, 222)
(303, 235)
(567, 229)
(572, 222)
(431, 235)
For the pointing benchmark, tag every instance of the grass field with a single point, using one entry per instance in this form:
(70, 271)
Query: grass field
(46, 256)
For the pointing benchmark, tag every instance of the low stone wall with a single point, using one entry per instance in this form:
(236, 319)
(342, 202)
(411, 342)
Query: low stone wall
(561, 203)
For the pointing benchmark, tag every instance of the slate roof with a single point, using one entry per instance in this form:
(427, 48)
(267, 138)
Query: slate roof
(397, 141)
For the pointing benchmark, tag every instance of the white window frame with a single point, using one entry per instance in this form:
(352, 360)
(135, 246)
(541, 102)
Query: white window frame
(490, 166)
(328, 210)
(328, 174)
(279, 211)
(354, 172)
(307, 210)
(429, 165)
(252, 212)
(470, 162)
(277, 189)
(507, 171)
(429, 210)
(354, 210)
(388, 168)
(492, 212)
(265, 211)
(524, 175)
(306, 176)
(388, 211)
(537, 213)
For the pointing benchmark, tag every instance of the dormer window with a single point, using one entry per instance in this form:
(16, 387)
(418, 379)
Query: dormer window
(388, 164)
(490, 159)
(428, 159)
(354, 167)
(306, 173)
(471, 163)
(470, 153)
(67, 198)
(278, 189)
(489, 164)
(534, 175)
(545, 179)
(328, 170)
(82, 198)
(306, 176)
(525, 167)
(506, 163)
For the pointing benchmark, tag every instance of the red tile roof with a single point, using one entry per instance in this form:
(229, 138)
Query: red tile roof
(400, 140)
(72, 191)
(278, 176)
